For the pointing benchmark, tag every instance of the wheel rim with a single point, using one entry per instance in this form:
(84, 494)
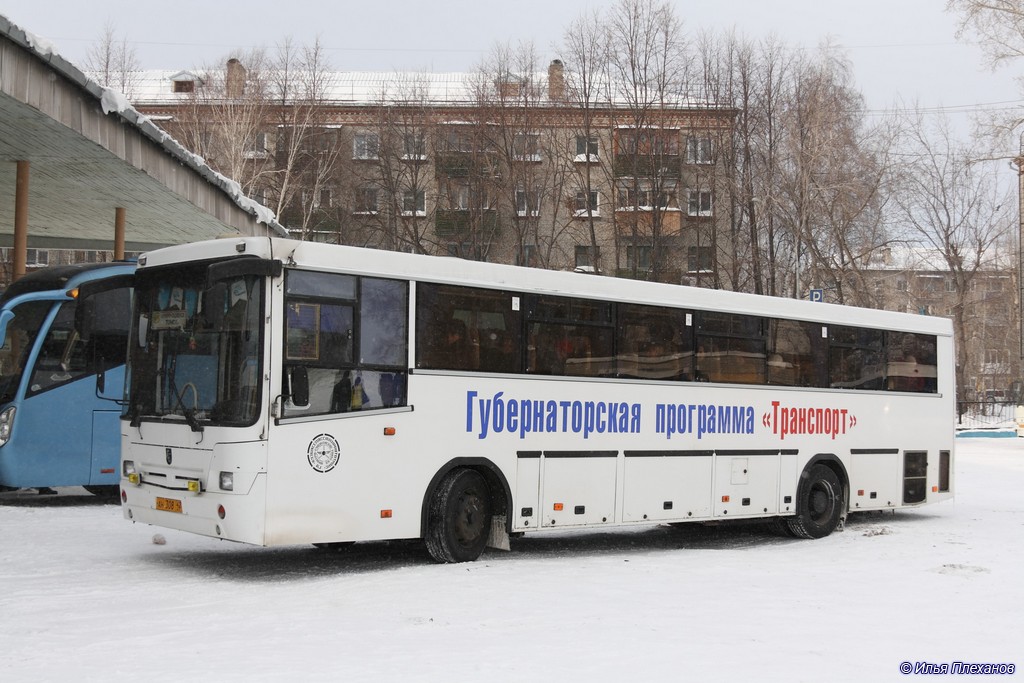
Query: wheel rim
(470, 517)
(821, 502)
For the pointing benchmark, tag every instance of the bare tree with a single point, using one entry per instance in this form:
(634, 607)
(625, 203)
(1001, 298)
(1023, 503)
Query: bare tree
(586, 91)
(224, 120)
(998, 24)
(956, 208)
(831, 179)
(112, 61)
(307, 148)
(647, 64)
(391, 190)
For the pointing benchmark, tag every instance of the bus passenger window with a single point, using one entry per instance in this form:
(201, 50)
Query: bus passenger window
(349, 334)
(467, 328)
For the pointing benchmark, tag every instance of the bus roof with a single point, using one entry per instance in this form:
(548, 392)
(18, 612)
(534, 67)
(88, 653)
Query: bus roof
(58, 277)
(447, 269)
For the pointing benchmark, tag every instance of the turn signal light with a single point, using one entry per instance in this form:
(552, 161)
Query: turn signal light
(193, 486)
(135, 478)
(389, 431)
(385, 514)
(559, 507)
(725, 499)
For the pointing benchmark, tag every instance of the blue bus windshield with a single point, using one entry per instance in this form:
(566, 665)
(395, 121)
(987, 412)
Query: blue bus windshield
(22, 331)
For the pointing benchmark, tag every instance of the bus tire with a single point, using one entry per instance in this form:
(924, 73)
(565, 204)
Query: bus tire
(818, 504)
(459, 517)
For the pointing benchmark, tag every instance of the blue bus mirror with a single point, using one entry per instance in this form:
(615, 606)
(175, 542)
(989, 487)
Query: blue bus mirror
(5, 319)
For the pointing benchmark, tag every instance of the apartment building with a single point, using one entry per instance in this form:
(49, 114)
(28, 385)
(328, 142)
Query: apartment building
(517, 168)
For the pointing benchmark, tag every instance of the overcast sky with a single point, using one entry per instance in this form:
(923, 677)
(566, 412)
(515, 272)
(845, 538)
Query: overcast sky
(900, 49)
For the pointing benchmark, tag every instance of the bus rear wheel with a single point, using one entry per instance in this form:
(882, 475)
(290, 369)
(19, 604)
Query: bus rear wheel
(818, 505)
(459, 518)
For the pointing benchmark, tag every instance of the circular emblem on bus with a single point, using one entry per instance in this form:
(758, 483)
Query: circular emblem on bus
(323, 452)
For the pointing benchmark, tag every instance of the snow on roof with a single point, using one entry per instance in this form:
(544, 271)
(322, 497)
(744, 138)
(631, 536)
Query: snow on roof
(113, 102)
(152, 87)
(914, 256)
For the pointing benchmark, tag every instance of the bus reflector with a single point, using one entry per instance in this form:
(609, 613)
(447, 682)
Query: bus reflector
(124, 496)
(389, 431)
(221, 511)
(725, 499)
(385, 514)
(107, 470)
(935, 489)
(860, 492)
(559, 507)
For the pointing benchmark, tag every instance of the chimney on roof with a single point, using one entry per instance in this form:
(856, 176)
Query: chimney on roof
(556, 81)
(234, 83)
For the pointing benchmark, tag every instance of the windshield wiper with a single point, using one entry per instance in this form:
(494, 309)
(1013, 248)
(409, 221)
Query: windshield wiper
(190, 418)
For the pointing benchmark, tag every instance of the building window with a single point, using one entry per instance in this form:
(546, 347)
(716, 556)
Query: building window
(464, 250)
(587, 257)
(698, 259)
(37, 257)
(414, 146)
(528, 202)
(586, 203)
(649, 142)
(526, 147)
(699, 150)
(646, 198)
(462, 196)
(365, 146)
(366, 200)
(638, 257)
(184, 86)
(901, 285)
(326, 200)
(587, 148)
(699, 203)
(528, 256)
(457, 140)
(255, 146)
(414, 203)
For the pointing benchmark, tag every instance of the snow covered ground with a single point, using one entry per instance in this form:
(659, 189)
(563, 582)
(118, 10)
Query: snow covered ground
(86, 595)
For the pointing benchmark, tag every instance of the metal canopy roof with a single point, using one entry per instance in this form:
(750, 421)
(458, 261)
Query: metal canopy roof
(90, 152)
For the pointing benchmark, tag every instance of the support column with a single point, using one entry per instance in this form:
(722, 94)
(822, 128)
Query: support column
(119, 220)
(20, 221)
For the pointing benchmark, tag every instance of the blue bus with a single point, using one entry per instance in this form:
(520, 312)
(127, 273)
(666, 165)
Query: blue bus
(60, 391)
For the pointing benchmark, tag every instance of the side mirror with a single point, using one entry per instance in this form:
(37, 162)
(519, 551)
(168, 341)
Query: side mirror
(298, 379)
(85, 317)
(214, 299)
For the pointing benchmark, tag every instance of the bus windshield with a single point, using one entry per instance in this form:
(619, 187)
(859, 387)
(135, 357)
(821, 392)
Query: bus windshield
(21, 335)
(195, 348)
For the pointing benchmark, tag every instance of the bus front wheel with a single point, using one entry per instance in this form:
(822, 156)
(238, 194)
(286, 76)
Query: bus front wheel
(818, 505)
(459, 518)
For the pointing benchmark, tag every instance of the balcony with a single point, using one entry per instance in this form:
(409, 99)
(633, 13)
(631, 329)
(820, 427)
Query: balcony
(460, 222)
(639, 166)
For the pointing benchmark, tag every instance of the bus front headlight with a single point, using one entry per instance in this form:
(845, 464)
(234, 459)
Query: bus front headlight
(6, 424)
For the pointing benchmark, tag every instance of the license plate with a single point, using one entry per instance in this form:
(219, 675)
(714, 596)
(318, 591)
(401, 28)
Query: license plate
(168, 504)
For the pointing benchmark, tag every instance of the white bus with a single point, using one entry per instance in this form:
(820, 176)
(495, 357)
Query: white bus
(283, 392)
